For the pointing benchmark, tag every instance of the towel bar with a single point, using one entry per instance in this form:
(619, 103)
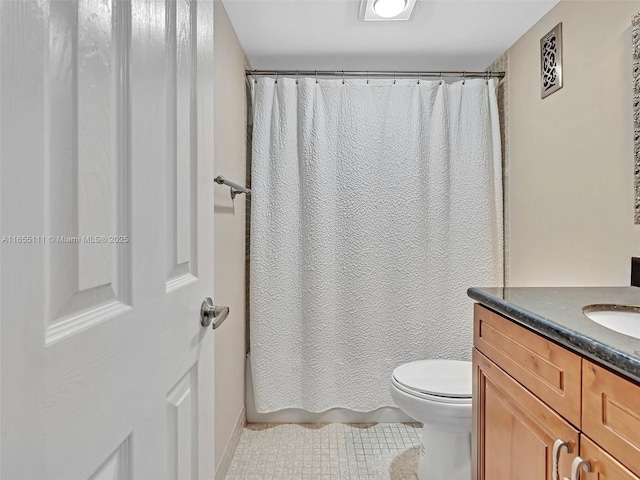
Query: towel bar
(235, 188)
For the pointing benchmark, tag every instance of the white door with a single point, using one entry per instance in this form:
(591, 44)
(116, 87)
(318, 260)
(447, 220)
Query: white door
(106, 219)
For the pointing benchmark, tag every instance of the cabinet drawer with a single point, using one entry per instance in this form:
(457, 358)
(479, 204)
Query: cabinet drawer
(611, 413)
(549, 371)
(603, 466)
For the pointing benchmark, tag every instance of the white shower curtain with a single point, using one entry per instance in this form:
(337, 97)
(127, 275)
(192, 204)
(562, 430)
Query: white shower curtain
(374, 207)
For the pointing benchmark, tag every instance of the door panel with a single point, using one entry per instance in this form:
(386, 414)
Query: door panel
(181, 145)
(507, 428)
(106, 165)
(117, 465)
(183, 429)
(87, 166)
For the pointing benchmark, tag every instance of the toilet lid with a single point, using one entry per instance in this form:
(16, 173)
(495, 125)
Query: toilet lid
(444, 378)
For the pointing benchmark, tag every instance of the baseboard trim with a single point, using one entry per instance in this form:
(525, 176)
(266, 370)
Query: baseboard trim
(227, 456)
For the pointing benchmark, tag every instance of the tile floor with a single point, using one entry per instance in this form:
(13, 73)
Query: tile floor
(333, 451)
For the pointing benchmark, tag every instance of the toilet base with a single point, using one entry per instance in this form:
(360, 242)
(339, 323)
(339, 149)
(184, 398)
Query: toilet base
(444, 455)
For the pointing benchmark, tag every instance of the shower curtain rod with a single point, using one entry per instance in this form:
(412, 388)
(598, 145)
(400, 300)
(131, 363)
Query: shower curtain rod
(378, 74)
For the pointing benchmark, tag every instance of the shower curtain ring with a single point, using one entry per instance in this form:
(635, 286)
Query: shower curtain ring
(297, 77)
(418, 78)
(316, 76)
(255, 77)
(343, 77)
(488, 76)
(394, 78)
(276, 76)
(441, 79)
(367, 78)
(464, 77)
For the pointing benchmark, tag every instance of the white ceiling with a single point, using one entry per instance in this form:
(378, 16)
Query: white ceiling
(328, 35)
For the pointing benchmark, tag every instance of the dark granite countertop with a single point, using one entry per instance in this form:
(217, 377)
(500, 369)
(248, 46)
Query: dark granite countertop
(556, 313)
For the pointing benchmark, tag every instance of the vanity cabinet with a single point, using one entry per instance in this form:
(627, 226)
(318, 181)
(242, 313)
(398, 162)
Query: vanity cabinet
(542, 412)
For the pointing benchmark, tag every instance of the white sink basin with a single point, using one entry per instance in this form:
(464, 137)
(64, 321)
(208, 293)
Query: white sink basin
(623, 319)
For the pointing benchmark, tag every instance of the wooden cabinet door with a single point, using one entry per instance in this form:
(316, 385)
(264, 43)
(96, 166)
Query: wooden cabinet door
(611, 413)
(602, 466)
(513, 431)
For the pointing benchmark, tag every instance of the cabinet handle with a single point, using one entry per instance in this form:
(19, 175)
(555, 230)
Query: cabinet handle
(577, 464)
(558, 445)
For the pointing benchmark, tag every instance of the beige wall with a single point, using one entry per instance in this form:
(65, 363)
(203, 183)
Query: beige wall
(570, 175)
(230, 161)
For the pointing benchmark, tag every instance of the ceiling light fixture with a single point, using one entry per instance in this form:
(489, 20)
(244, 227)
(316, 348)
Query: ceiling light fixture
(386, 10)
(389, 8)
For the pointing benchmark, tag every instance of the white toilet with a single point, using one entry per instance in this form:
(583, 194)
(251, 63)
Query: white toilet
(438, 394)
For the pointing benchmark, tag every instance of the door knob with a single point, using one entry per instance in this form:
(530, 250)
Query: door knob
(211, 314)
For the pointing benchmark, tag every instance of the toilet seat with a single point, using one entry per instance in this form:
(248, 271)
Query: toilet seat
(447, 381)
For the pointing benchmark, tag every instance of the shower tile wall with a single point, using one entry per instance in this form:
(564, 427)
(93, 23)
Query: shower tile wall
(501, 64)
(247, 264)
(327, 451)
